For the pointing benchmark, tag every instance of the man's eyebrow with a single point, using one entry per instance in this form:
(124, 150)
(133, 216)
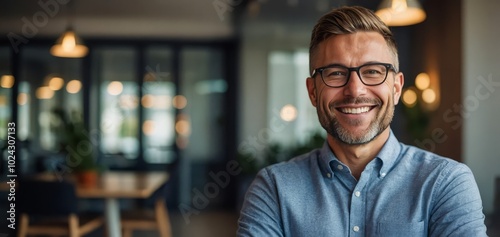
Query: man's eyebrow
(343, 65)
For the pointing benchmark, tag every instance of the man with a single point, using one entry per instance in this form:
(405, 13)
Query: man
(363, 182)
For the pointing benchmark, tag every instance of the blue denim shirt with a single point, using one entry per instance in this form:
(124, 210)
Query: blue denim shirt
(404, 191)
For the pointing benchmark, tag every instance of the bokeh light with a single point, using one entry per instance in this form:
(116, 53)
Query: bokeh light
(22, 98)
(115, 88)
(422, 81)
(410, 97)
(56, 83)
(179, 102)
(147, 101)
(7, 81)
(148, 127)
(73, 86)
(44, 93)
(429, 96)
(288, 113)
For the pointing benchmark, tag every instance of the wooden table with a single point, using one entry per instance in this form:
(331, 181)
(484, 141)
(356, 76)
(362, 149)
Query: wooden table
(112, 186)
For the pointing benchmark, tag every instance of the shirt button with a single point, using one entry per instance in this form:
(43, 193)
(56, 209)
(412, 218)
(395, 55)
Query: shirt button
(340, 167)
(355, 228)
(357, 193)
(383, 175)
(328, 175)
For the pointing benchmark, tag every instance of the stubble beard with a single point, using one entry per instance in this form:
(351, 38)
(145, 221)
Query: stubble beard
(379, 124)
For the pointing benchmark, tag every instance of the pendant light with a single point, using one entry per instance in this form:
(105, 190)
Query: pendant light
(400, 12)
(69, 45)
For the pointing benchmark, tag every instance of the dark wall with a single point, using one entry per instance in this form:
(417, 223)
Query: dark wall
(438, 51)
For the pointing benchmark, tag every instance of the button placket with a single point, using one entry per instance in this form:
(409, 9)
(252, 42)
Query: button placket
(358, 203)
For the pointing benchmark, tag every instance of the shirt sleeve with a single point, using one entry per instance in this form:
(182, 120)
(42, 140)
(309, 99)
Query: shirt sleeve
(260, 213)
(457, 207)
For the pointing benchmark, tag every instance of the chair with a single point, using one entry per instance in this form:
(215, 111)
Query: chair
(50, 208)
(146, 219)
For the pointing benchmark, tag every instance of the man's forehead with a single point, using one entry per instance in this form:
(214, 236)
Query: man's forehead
(355, 44)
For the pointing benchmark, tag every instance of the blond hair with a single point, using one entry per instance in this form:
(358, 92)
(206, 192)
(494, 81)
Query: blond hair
(348, 20)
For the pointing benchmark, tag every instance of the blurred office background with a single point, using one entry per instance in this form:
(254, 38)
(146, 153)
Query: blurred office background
(201, 89)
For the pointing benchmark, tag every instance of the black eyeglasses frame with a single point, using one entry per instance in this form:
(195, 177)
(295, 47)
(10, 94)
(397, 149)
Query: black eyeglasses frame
(388, 66)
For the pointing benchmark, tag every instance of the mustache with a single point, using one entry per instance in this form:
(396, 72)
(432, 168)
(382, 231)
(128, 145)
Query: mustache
(356, 101)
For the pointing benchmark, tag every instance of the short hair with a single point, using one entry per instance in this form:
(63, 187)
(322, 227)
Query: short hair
(348, 20)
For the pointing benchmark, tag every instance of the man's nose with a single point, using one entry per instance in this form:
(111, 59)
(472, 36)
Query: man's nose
(354, 86)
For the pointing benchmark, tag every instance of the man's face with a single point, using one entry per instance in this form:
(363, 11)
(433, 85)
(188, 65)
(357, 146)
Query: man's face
(354, 113)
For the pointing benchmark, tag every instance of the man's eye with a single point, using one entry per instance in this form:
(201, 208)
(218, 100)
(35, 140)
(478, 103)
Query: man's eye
(336, 74)
(372, 72)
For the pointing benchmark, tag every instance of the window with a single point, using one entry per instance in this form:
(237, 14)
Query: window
(145, 104)
(49, 95)
(159, 101)
(290, 114)
(201, 123)
(116, 76)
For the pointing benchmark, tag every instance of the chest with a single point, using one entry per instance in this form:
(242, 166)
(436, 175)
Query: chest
(374, 206)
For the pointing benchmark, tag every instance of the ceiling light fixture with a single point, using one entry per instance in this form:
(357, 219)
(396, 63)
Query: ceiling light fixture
(69, 45)
(400, 12)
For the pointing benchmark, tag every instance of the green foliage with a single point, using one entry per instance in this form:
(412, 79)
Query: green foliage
(74, 141)
(417, 121)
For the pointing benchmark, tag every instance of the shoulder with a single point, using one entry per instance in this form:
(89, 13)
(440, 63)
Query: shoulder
(283, 177)
(427, 162)
(300, 170)
(296, 166)
(419, 156)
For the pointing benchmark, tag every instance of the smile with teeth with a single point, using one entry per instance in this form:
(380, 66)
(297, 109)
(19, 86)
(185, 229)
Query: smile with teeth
(359, 110)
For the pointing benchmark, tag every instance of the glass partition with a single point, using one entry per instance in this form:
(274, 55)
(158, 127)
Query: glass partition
(119, 101)
(147, 104)
(290, 113)
(201, 122)
(158, 94)
(49, 97)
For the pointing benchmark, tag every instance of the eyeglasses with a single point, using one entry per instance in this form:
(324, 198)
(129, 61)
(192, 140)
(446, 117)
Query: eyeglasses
(371, 74)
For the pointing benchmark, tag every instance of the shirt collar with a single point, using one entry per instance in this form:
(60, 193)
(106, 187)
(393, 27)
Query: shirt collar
(388, 155)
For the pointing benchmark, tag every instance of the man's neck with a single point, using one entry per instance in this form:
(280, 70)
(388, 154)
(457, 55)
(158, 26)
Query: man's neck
(356, 157)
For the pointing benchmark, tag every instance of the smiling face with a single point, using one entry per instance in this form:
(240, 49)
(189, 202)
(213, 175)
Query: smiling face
(355, 113)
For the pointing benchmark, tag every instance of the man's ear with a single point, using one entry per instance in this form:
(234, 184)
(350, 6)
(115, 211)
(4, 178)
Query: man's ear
(399, 81)
(311, 90)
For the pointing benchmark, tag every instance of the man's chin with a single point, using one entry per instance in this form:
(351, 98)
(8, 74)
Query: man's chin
(355, 136)
(355, 141)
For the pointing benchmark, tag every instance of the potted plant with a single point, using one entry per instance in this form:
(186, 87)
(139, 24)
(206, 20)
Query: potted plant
(78, 148)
